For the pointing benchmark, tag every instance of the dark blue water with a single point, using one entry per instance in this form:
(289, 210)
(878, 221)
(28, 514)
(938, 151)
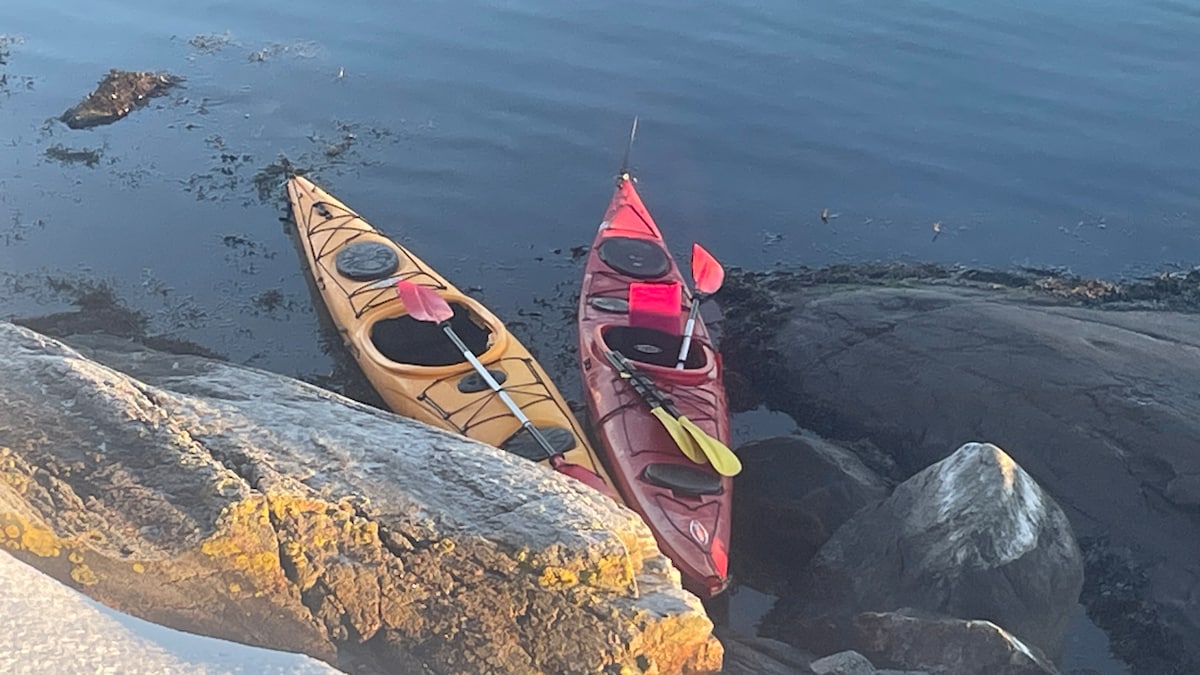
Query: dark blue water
(484, 135)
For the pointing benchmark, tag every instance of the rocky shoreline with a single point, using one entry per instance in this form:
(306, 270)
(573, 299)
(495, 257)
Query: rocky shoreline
(1088, 383)
(1122, 587)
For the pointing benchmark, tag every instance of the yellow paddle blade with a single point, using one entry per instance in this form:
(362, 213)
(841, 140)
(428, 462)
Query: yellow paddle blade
(682, 438)
(722, 458)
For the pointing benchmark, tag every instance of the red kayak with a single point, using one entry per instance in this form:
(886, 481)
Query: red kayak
(633, 304)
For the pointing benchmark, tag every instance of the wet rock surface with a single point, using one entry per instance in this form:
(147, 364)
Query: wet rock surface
(118, 93)
(1088, 385)
(235, 503)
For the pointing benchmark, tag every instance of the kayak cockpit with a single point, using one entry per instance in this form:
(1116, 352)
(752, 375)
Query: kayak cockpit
(652, 346)
(405, 340)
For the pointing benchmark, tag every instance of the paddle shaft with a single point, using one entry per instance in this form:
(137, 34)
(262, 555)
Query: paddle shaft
(688, 329)
(642, 384)
(495, 386)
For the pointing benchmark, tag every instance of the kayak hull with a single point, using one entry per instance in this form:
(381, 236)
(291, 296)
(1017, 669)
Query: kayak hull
(414, 367)
(687, 505)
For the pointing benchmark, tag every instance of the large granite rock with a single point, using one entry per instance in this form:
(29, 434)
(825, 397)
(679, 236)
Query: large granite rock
(972, 537)
(1099, 406)
(243, 505)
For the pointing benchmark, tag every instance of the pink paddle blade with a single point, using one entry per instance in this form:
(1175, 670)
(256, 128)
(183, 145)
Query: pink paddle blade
(707, 273)
(657, 306)
(585, 476)
(423, 303)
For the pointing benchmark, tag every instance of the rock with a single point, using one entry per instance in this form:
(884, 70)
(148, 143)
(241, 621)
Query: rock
(118, 93)
(843, 663)
(762, 656)
(804, 488)
(972, 536)
(46, 627)
(234, 503)
(946, 646)
(1098, 406)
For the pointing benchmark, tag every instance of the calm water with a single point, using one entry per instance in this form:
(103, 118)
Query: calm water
(485, 134)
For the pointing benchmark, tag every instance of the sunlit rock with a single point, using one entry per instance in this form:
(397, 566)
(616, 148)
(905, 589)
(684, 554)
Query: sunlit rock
(235, 503)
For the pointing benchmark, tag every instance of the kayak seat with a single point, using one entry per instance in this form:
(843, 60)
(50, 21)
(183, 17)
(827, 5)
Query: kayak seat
(403, 339)
(656, 347)
(683, 479)
(523, 444)
(366, 261)
(637, 258)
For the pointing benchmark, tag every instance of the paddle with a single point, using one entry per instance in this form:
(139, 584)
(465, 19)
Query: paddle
(707, 275)
(658, 404)
(677, 425)
(424, 304)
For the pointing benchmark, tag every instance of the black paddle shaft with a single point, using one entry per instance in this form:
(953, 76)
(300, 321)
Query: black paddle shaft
(642, 383)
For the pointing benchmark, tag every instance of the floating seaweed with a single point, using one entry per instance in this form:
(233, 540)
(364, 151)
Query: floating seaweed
(118, 93)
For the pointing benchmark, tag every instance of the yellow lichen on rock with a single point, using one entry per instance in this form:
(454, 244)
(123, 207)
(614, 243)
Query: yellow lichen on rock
(13, 473)
(38, 540)
(75, 557)
(139, 568)
(558, 577)
(245, 543)
(610, 571)
(12, 531)
(84, 575)
(679, 643)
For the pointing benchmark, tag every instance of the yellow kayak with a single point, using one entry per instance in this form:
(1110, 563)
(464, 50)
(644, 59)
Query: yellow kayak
(417, 371)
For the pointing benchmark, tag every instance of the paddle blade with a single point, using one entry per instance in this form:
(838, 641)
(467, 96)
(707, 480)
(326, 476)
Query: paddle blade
(423, 303)
(681, 437)
(707, 273)
(721, 457)
(583, 475)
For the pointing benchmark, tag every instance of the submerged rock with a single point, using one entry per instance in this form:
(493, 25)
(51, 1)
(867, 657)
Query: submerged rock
(118, 93)
(946, 646)
(234, 503)
(971, 537)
